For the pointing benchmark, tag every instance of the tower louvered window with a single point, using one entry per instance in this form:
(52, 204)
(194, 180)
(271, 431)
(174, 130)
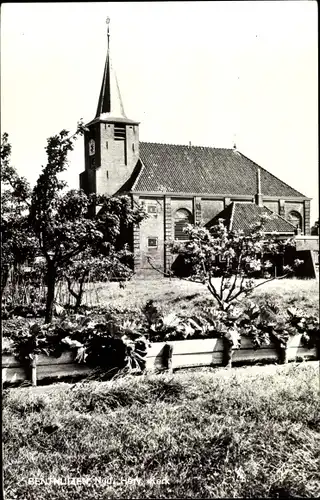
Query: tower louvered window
(119, 132)
(181, 219)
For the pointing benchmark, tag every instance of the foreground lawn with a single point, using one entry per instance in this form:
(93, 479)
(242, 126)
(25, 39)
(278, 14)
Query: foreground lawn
(245, 432)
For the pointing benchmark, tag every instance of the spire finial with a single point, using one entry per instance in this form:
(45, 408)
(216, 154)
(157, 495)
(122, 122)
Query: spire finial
(108, 31)
(235, 141)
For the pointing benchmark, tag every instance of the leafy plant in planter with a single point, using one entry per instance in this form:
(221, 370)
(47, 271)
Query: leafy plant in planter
(212, 323)
(252, 326)
(25, 344)
(136, 345)
(308, 326)
(36, 338)
(262, 324)
(224, 324)
(169, 327)
(268, 323)
(163, 327)
(108, 345)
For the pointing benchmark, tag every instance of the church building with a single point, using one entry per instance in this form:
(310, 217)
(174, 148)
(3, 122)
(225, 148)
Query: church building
(179, 184)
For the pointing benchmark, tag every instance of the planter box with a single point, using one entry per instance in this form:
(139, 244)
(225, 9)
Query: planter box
(209, 352)
(47, 367)
(298, 352)
(185, 353)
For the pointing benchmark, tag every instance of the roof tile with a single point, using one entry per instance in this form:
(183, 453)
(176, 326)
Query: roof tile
(245, 215)
(197, 169)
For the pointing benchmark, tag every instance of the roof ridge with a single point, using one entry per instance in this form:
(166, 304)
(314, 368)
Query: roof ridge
(183, 145)
(231, 216)
(139, 174)
(265, 170)
(281, 217)
(248, 202)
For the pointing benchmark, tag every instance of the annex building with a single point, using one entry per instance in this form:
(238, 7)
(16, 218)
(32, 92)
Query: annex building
(178, 184)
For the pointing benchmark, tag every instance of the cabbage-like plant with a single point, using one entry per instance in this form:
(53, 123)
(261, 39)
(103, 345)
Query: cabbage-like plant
(166, 327)
(252, 326)
(307, 325)
(224, 324)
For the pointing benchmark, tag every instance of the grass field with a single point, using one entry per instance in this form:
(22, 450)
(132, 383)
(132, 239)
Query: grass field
(177, 295)
(246, 432)
(221, 433)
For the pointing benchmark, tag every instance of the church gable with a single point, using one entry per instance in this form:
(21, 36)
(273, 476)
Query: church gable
(195, 169)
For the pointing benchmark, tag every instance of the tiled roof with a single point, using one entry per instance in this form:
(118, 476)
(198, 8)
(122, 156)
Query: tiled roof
(197, 169)
(242, 216)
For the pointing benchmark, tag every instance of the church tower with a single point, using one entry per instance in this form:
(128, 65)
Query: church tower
(111, 144)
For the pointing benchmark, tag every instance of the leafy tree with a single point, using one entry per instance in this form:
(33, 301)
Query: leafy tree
(71, 240)
(58, 218)
(90, 266)
(233, 255)
(109, 257)
(18, 242)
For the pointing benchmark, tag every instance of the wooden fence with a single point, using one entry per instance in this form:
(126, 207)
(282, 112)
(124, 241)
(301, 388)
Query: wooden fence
(181, 354)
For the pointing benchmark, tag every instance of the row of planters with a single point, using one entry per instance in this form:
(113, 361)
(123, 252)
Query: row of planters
(108, 341)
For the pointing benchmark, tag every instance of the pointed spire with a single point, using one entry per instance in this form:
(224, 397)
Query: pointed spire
(110, 102)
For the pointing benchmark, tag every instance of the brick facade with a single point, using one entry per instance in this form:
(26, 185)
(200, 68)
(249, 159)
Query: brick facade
(201, 209)
(307, 225)
(168, 232)
(136, 241)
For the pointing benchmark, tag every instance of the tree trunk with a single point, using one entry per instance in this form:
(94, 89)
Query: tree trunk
(79, 297)
(4, 278)
(51, 283)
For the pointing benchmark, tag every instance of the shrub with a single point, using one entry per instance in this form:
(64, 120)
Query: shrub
(237, 257)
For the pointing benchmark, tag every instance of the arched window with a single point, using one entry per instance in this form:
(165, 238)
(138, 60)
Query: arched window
(181, 219)
(295, 219)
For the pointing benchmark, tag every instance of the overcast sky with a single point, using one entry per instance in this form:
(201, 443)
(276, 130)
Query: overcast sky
(205, 72)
